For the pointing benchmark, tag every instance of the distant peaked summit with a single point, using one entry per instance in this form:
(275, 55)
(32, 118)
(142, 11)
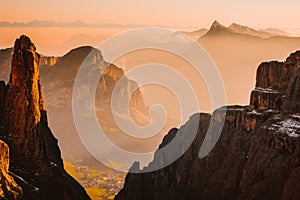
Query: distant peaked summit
(217, 25)
(217, 28)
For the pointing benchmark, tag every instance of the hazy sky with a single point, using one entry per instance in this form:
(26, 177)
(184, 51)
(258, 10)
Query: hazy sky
(197, 13)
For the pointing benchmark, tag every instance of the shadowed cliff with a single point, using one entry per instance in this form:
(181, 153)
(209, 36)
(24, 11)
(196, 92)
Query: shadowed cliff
(256, 157)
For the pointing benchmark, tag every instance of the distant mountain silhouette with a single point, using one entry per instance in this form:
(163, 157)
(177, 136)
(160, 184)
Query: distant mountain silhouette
(250, 31)
(196, 34)
(218, 28)
(275, 31)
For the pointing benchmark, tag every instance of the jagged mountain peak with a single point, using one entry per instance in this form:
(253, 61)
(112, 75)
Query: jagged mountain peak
(218, 29)
(217, 24)
(36, 162)
(238, 29)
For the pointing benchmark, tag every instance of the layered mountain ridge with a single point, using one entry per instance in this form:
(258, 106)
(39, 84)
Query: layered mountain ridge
(256, 157)
(35, 160)
(234, 28)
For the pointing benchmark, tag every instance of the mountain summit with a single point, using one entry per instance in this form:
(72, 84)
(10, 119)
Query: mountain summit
(216, 27)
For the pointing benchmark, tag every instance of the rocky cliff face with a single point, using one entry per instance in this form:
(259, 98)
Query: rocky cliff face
(49, 60)
(256, 157)
(9, 188)
(36, 163)
(277, 85)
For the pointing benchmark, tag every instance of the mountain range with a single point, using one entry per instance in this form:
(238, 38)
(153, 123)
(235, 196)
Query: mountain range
(237, 28)
(234, 50)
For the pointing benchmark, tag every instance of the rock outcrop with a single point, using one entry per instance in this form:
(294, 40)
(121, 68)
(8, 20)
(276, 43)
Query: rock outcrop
(9, 189)
(256, 157)
(5, 63)
(292, 103)
(49, 60)
(36, 163)
(277, 85)
(110, 77)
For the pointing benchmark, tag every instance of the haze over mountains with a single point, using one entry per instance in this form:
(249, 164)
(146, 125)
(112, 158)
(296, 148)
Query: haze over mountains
(69, 35)
(58, 75)
(236, 54)
(237, 28)
(237, 50)
(72, 24)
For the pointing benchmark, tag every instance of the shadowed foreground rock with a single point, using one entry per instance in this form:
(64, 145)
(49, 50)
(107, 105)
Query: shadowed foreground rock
(36, 163)
(256, 157)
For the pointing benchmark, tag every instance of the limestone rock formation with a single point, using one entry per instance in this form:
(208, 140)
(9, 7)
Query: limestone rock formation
(36, 163)
(256, 157)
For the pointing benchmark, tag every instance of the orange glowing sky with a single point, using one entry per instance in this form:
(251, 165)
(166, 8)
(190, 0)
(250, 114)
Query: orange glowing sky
(194, 13)
(175, 14)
